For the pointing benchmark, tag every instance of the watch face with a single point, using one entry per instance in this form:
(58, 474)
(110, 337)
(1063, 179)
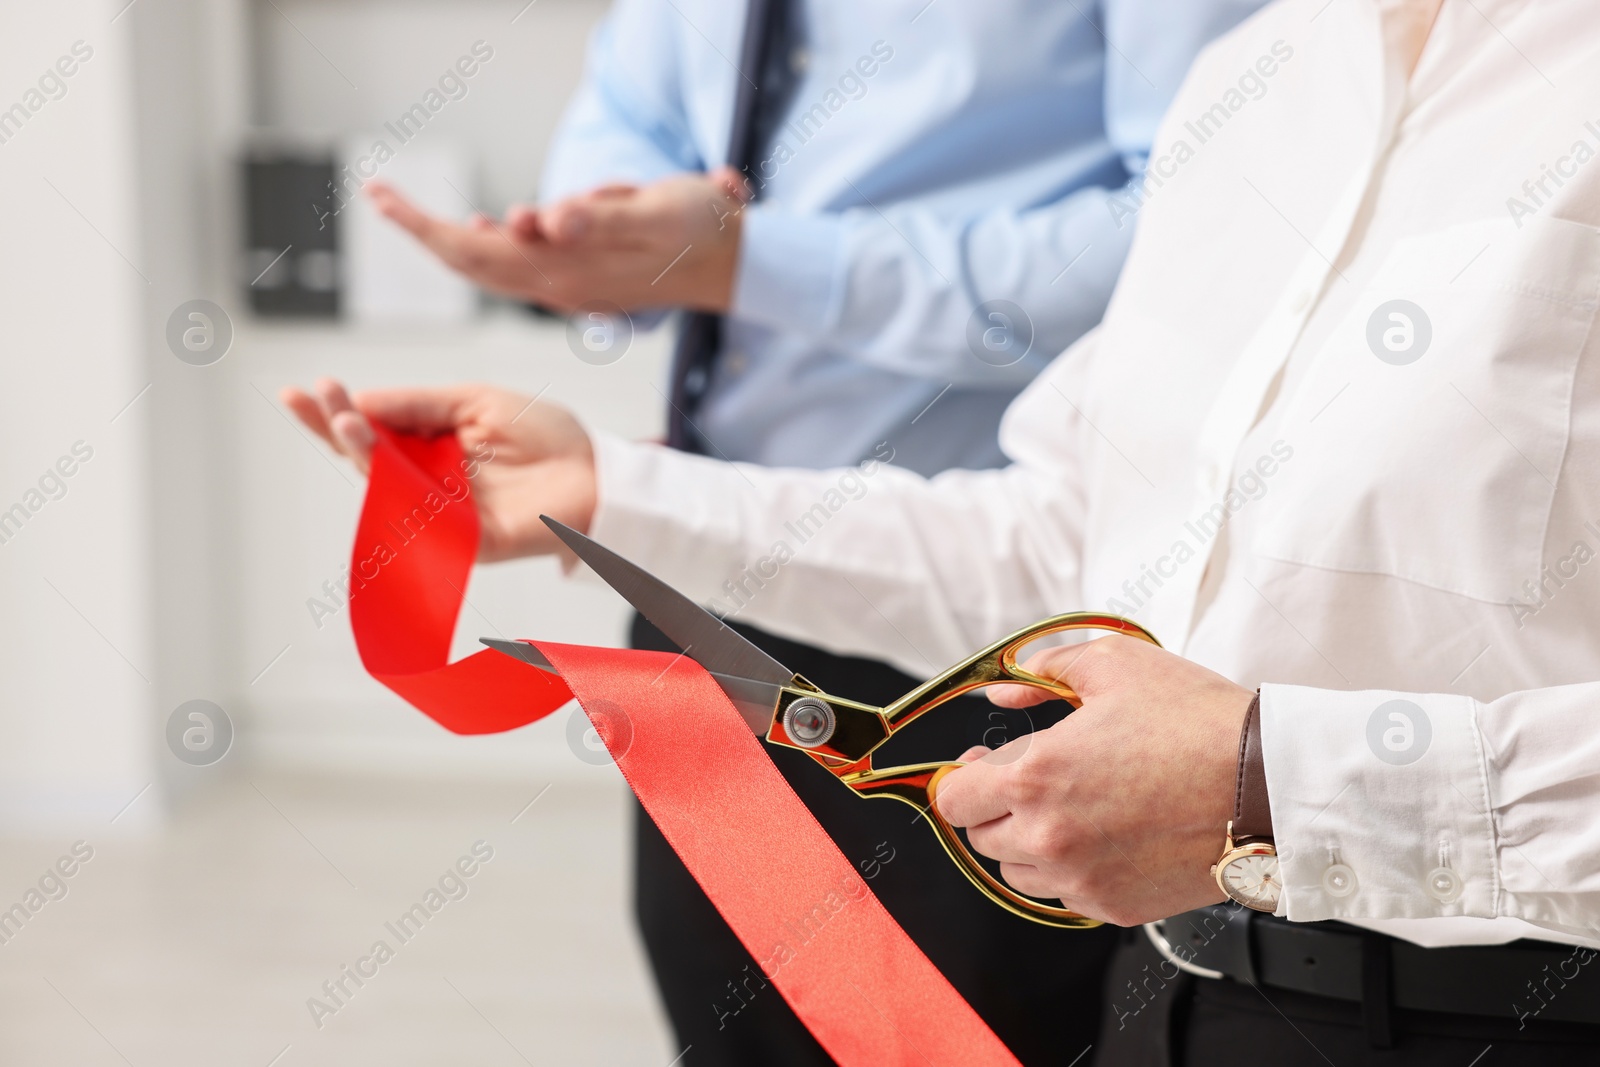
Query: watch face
(1252, 880)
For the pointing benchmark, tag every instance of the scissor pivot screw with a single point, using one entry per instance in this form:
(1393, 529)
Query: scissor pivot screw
(809, 722)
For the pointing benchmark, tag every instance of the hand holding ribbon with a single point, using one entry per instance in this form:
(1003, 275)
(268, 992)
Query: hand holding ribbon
(524, 457)
(859, 984)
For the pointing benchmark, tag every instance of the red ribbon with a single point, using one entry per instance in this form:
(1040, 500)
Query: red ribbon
(848, 970)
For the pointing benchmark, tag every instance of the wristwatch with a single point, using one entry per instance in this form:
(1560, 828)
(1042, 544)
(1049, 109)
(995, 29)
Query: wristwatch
(1248, 869)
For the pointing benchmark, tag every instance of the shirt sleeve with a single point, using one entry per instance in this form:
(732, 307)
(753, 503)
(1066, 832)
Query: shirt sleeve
(899, 287)
(872, 560)
(627, 121)
(1415, 806)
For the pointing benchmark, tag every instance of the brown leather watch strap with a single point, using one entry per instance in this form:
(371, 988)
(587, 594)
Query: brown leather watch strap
(1252, 814)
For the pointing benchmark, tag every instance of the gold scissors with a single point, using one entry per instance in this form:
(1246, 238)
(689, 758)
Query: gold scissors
(838, 733)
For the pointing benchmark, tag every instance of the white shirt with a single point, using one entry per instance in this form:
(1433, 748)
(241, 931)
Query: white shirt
(1421, 527)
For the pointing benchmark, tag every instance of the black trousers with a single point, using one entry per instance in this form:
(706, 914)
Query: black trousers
(1039, 988)
(1204, 1022)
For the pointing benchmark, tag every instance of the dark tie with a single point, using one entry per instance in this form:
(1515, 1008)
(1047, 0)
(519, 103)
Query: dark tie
(765, 80)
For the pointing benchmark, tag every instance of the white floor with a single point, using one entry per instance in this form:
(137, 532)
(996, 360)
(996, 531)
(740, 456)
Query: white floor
(201, 945)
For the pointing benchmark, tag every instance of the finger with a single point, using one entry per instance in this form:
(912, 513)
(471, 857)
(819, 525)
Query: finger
(331, 393)
(1091, 667)
(396, 208)
(972, 795)
(566, 221)
(466, 248)
(523, 223)
(621, 222)
(434, 410)
(974, 754)
(348, 429)
(480, 224)
(1011, 751)
(330, 416)
(573, 219)
(355, 438)
(308, 410)
(1029, 880)
(1017, 696)
(998, 839)
(614, 214)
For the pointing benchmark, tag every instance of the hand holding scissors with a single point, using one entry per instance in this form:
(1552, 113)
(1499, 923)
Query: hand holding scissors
(839, 733)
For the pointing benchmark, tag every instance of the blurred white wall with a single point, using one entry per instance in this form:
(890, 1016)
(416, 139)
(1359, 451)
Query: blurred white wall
(176, 560)
(78, 659)
(179, 561)
(342, 66)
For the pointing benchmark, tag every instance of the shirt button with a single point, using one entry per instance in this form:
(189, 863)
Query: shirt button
(735, 363)
(1338, 880)
(1301, 300)
(799, 60)
(1444, 885)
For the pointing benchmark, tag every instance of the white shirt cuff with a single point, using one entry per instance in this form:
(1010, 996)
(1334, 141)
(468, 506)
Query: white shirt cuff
(666, 507)
(1379, 805)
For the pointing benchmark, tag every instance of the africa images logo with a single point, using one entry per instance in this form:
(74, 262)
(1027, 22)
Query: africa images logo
(1399, 732)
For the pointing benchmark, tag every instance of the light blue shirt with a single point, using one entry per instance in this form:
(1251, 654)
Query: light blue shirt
(937, 155)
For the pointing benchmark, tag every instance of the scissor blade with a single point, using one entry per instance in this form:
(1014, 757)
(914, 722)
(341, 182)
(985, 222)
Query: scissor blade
(701, 635)
(520, 650)
(755, 699)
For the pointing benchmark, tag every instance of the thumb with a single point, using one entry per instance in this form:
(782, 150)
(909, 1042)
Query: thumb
(1069, 665)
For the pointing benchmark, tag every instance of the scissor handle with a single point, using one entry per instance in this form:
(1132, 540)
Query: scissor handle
(918, 784)
(998, 663)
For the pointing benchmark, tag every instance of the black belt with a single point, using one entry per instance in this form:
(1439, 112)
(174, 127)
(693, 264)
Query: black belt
(1520, 981)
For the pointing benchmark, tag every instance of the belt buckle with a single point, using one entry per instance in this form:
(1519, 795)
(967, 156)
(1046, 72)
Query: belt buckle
(1156, 932)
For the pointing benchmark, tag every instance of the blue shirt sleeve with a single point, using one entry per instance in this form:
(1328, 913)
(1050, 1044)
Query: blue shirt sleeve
(627, 121)
(897, 286)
